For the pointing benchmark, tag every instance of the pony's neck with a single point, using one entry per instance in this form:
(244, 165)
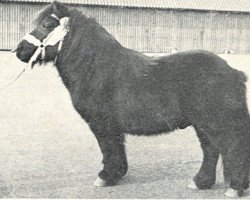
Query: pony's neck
(82, 46)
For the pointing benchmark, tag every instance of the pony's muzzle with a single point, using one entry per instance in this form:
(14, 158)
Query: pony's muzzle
(24, 51)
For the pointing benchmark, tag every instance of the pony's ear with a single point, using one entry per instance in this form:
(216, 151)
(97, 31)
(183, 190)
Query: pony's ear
(60, 10)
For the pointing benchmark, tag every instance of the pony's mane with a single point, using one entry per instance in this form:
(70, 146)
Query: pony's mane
(76, 16)
(78, 19)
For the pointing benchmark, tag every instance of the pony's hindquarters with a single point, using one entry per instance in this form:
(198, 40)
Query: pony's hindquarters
(221, 120)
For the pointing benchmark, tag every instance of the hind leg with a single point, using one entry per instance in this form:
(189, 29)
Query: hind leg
(237, 164)
(236, 151)
(206, 176)
(227, 166)
(230, 136)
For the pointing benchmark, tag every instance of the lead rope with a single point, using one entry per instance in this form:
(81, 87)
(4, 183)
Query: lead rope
(14, 80)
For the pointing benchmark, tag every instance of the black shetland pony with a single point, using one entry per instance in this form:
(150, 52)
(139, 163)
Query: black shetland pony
(118, 91)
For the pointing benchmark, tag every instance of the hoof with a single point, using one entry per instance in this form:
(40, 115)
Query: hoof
(233, 193)
(100, 183)
(192, 186)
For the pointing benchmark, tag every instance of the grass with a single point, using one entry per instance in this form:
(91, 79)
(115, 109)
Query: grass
(48, 151)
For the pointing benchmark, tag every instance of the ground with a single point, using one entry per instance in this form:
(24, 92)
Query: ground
(48, 151)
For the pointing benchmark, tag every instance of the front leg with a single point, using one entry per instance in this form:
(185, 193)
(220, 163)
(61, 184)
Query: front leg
(115, 164)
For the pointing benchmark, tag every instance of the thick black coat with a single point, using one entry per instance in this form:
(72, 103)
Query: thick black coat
(118, 91)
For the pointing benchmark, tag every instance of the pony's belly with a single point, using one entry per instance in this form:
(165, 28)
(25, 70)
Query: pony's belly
(146, 128)
(146, 122)
(146, 113)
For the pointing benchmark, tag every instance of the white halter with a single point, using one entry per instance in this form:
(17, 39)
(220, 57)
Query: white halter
(55, 36)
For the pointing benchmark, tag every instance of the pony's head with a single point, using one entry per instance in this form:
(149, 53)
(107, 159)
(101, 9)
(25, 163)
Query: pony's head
(44, 42)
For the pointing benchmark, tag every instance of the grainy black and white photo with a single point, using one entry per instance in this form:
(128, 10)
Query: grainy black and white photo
(125, 99)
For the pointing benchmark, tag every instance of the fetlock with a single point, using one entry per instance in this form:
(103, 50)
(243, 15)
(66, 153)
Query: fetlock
(204, 182)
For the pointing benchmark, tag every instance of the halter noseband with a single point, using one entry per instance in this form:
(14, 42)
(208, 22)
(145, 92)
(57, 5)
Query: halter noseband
(55, 36)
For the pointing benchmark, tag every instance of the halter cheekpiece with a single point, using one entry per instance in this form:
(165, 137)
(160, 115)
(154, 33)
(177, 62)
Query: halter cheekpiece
(54, 37)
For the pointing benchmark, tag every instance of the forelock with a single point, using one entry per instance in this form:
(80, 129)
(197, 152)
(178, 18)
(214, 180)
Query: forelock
(46, 11)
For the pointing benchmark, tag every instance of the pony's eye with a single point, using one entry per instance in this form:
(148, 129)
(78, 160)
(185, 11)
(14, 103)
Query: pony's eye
(44, 27)
(47, 26)
(49, 23)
